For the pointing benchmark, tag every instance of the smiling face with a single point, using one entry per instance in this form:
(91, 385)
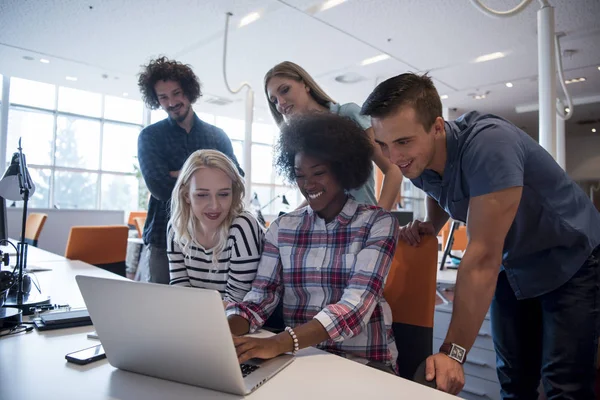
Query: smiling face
(210, 196)
(173, 100)
(406, 143)
(289, 96)
(319, 186)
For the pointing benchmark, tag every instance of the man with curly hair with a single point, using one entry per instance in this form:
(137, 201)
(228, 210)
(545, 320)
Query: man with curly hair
(327, 262)
(534, 241)
(164, 146)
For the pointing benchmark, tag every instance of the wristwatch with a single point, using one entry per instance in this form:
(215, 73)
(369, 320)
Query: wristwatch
(454, 351)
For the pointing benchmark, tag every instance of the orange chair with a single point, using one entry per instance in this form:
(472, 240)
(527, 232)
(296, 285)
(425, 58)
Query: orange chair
(102, 246)
(410, 290)
(133, 215)
(139, 223)
(33, 227)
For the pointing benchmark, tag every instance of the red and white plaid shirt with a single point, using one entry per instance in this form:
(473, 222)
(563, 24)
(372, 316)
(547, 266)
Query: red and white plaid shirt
(332, 272)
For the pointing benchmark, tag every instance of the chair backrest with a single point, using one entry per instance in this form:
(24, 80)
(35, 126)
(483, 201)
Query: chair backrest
(139, 223)
(410, 291)
(460, 236)
(103, 246)
(33, 227)
(135, 214)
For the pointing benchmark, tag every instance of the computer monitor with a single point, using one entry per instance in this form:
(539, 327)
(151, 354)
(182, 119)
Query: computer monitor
(3, 226)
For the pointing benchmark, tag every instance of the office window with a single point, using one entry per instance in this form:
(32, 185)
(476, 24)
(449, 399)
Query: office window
(77, 143)
(119, 147)
(79, 102)
(119, 192)
(36, 130)
(234, 128)
(125, 110)
(264, 133)
(157, 115)
(208, 118)
(238, 151)
(262, 163)
(33, 94)
(75, 189)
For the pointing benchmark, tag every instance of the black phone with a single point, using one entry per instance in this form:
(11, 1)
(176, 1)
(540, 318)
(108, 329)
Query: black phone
(86, 356)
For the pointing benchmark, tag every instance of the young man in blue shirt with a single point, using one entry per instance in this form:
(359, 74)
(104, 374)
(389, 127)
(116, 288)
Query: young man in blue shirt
(534, 241)
(164, 146)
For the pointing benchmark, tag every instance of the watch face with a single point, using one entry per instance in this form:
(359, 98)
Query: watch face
(457, 352)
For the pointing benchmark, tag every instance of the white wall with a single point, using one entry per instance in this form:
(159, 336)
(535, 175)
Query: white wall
(56, 230)
(583, 157)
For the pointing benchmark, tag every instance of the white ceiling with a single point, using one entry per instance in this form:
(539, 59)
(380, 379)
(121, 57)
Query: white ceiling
(114, 37)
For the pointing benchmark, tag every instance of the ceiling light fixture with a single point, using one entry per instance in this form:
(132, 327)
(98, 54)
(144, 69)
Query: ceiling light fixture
(574, 80)
(373, 60)
(250, 18)
(598, 68)
(509, 84)
(594, 130)
(479, 96)
(28, 58)
(330, 4)
(489, 57)
(44, 61)
(567, 110)
(71, 78)
(444, 96)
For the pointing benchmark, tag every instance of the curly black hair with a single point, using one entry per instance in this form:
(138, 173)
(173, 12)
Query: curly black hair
(336, 140)
(163, 69)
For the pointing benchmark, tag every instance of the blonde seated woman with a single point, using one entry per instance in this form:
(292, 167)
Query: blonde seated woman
(291, 91)
(212, 242)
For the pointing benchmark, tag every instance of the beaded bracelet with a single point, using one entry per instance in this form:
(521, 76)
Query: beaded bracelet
(294, 338)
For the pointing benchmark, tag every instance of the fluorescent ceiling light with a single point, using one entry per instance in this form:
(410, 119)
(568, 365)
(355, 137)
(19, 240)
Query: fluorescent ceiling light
(509, 84)
(574, 80)
(44, 61)
(71, 78)
(330, 4)
(373, 60)
(250, 18)
(489, 57)
(444, 96)
(479, 96)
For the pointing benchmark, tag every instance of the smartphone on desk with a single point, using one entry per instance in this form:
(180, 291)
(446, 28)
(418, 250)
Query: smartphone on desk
(86, 356)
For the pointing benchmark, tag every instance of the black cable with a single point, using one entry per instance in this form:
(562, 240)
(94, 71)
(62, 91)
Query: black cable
(15, 330)
(5, 241)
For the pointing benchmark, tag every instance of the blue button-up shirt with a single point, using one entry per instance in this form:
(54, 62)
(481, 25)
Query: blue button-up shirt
(556, 226)
(164, 147)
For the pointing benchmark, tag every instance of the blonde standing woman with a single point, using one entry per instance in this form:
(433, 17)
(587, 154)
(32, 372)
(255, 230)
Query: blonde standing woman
(212, 242)
(290, 91)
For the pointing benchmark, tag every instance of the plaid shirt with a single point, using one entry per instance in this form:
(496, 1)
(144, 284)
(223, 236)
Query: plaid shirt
(164, 147)
(332, 272)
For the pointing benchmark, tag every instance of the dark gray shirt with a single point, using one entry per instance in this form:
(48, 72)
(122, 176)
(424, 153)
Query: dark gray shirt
(556, 226)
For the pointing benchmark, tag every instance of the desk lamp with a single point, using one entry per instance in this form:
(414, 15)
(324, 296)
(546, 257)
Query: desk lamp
(16, 185)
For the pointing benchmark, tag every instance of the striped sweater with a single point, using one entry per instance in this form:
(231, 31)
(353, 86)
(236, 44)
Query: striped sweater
(236, 269)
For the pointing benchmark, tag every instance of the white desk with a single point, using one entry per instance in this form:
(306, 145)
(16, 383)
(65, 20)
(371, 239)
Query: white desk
(32, 365)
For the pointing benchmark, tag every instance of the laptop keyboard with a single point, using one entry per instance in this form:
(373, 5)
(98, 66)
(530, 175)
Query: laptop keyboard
(247, 369)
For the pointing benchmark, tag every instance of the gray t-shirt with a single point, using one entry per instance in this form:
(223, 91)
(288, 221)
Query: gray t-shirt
(556, 226)
(366, 193)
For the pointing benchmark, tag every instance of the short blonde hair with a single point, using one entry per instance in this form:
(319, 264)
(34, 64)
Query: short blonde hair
(290, 70)
(183, 222)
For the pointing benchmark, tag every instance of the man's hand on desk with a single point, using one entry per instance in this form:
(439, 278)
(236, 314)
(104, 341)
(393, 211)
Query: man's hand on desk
(448, 373)
(263, 348)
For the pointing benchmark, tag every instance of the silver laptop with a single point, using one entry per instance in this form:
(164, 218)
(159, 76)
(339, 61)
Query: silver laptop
(175, 333)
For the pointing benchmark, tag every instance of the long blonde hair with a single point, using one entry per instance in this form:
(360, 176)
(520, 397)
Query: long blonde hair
(183, 221)
(288, 69)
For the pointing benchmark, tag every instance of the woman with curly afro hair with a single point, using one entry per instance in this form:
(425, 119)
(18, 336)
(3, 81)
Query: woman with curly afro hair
(164, 146)
(327, 262)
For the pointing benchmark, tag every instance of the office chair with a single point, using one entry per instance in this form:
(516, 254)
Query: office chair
(410, 291)
(102, 246)
(139, 223)
(33, 227)
(133, 215)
